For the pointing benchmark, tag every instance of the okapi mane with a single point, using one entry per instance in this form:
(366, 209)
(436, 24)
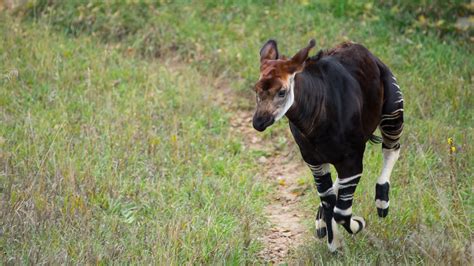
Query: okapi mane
(329, 52)
(339, 48)
(316, 57)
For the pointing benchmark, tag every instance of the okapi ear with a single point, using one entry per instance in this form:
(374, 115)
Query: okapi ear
(269, 51)
(300, 57)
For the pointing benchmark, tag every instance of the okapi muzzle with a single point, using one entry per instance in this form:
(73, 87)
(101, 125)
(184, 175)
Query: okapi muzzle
(262, 121)
(275, 88)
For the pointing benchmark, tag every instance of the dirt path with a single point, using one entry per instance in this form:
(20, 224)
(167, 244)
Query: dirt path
(283, 168)
(283, 213)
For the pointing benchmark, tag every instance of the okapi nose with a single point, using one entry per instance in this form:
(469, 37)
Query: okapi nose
(260, 123)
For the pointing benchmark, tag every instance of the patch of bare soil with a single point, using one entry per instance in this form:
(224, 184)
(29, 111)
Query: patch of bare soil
(282, 167)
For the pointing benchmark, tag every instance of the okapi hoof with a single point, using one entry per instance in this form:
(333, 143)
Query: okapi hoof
(334, 237)
(357, 224)
(321, 229)
(334, 246)
(381, 199)
(382, 212)
(352, 224)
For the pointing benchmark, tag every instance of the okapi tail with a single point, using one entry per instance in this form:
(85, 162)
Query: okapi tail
(375, 139)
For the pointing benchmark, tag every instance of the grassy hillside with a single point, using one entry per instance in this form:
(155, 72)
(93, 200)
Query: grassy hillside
(113, 147)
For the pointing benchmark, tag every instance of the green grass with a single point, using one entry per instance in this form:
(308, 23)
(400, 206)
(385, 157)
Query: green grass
(112, 151)
(109, 158)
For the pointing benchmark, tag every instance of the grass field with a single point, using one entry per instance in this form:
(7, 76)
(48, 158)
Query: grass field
(113, 147)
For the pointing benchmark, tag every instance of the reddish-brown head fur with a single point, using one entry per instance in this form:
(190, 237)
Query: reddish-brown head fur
(275, 86)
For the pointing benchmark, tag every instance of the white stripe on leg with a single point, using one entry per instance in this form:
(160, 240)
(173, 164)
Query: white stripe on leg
(337, 239)
(335, 186)
(390, 157)
(382, 204)
(346, 212)
(382, 188)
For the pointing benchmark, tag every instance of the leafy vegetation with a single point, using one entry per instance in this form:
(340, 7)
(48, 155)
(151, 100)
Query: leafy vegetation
(113, 147)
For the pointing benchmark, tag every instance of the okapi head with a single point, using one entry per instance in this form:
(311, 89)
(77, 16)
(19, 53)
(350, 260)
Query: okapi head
(275, 87)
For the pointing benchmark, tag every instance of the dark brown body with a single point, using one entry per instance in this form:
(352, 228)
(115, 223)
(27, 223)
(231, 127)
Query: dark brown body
(338, 104)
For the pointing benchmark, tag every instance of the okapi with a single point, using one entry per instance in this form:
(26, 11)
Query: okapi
(334, 102)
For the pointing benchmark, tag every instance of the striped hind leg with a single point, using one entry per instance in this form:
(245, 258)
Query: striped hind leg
(325, 224)
(391, 127)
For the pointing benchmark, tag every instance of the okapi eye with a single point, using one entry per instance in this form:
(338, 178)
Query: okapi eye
(282, 93)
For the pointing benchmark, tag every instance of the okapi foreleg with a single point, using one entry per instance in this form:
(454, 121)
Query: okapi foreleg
(349, 176)
(325, 225)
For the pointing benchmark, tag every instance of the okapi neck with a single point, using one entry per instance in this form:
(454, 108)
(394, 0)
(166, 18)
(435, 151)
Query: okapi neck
(307, 111)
